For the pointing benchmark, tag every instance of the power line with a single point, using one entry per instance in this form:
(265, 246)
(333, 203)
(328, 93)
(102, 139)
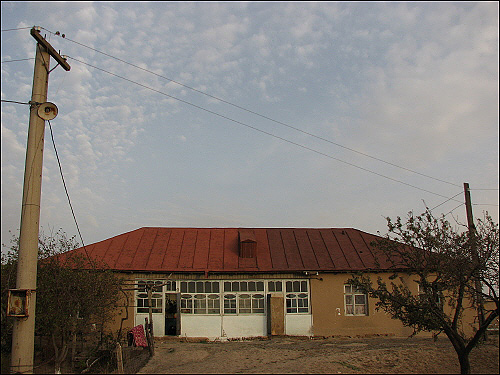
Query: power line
(13, 101)
(254, 128)
(239, 107)
(449, 199)
(9, 61)
(460, 205)
(19, 28)
(67, 195)
(255, 113)
(474, 204)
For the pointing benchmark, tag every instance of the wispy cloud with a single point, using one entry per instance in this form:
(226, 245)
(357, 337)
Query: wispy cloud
(412, 83)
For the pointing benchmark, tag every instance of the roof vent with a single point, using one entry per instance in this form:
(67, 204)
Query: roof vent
(247, 242)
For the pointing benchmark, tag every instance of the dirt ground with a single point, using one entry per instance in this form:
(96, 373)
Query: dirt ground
(387, 355)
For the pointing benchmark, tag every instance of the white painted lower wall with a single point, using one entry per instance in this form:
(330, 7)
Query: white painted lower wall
(158, 322)
(298, 325)
(244, 326)
(201, 325)
(230, 326)
(223, 326)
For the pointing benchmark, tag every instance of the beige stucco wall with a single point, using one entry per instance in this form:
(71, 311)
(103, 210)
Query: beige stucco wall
(121, 311)
(329, 318)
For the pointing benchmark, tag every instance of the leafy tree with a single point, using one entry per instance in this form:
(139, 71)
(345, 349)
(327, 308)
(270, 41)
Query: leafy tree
(72, 292)
(455, 271)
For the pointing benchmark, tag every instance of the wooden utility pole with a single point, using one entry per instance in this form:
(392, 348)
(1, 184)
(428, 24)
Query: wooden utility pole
(149, 326)
(23, 334)
(475, 255)
(468, 208)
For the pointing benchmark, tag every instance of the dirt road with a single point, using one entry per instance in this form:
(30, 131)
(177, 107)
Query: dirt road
(294, 355)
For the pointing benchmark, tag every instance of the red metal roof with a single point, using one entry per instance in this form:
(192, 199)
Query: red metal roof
(217, 250)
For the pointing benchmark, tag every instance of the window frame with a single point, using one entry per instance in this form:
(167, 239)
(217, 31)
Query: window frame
(353, 293)
(437, 294)
(141, 297)
(195, 297)
(245, 301)
(210, 297)
(296, 293)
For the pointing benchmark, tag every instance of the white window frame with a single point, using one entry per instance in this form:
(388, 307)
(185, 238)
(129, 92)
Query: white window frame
(351, 291)
(297, 296)
(141, 297)
(245, 301)
(200, 297)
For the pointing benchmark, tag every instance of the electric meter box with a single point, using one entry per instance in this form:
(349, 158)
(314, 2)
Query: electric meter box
(18, 302)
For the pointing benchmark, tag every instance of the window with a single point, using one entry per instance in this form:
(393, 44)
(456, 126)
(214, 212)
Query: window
(251, 304)
(356, 301)
(170, 286)
(156, 297)
(199, 287)
(244, 297)
(230, 304)
(243, 286)
(297, 297)
(186, 304)
(274, 286)
(433, 295)
(200, 297)
(228, 297)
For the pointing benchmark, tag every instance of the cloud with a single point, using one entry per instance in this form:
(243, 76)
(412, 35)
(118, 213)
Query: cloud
(427, 91)
(402, 81)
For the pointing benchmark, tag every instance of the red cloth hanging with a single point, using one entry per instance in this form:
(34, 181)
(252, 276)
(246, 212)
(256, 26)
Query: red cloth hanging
(139, 336)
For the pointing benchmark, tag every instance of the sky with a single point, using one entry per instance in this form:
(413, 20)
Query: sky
(254, 114)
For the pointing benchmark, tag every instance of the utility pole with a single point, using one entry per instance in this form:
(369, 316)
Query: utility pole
(149, 326)
(475, 255)
(23, 334)
(468, 208)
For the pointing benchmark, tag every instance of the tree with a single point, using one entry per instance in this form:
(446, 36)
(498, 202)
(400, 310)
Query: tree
(448, 265)
(73, 293)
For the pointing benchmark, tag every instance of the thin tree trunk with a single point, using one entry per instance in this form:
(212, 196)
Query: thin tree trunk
(463, 358)
(60, 353)
(57, 364)
(460, 348)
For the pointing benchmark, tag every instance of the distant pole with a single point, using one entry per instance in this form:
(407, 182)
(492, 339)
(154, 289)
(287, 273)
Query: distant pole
(472, 236)
(23, 334)
(150, 325)
(468, 209)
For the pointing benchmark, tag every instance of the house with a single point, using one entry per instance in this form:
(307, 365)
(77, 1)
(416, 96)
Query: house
(249, 282)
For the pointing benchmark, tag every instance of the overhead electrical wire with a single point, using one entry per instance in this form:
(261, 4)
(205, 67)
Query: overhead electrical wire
(267, 133)
(460, 205)
(252, 112)
(253, 127)
(9, 61)
(449, 199)
(239, 107)
(19, 28)
(255, 113)
(13, 101)
(67, 195)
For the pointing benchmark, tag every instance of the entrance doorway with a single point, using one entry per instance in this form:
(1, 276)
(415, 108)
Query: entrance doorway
(171, 315)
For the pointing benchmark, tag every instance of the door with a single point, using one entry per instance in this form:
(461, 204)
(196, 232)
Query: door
(171, 315)
(275, 314)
